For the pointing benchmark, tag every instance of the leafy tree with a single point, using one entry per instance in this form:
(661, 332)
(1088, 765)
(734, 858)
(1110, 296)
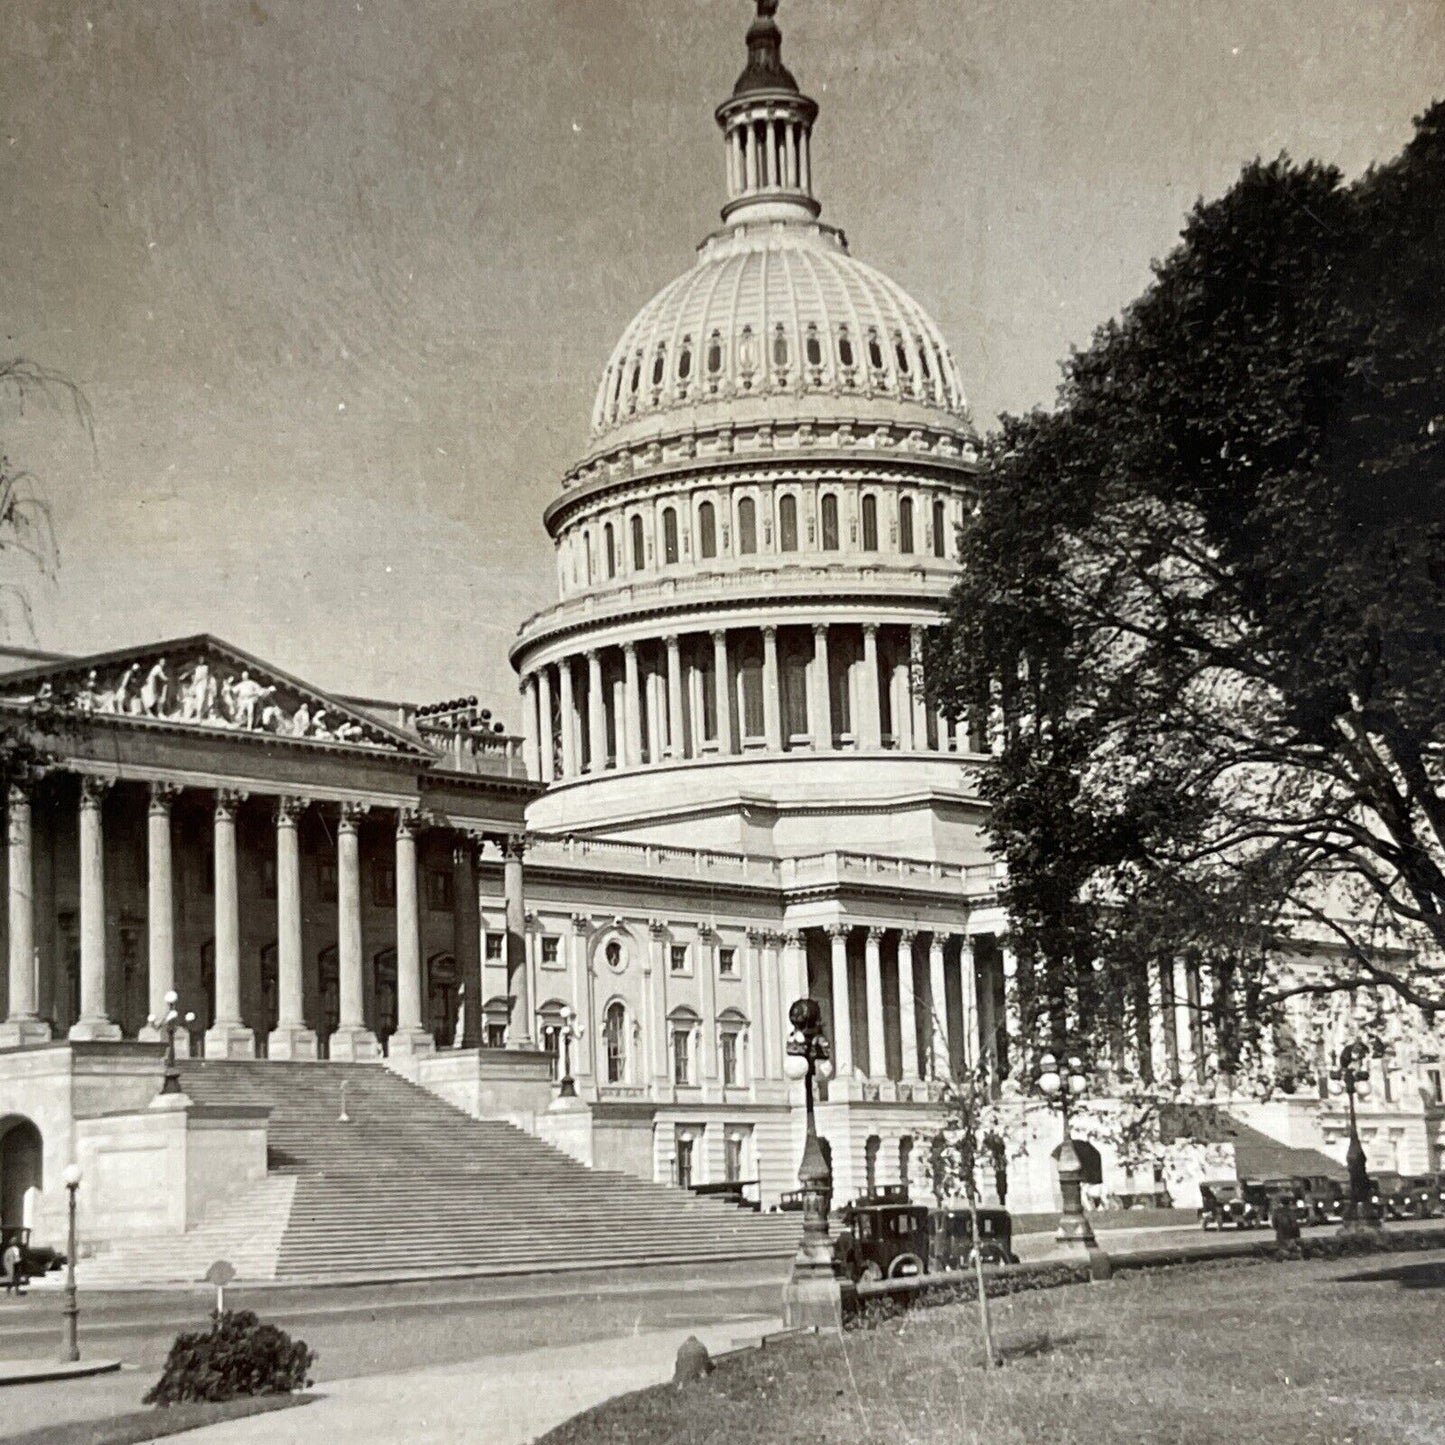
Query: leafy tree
(1206, 596)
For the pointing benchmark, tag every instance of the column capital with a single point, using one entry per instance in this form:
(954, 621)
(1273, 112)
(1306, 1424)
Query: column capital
(758, 937)
(938, 940)
(839, 930)
(793, 939)
(875, 934)
(658, 929)
(289, 807)
(592, 654)
(514, 847)
(769, 630)
(582, 923)
(528, 682)
(162, 795)
(226, 801)
(907, 937)
(18, 793)
(719, 634)
(820, 629)
(352, 814)
(629, 648)
(93, 789)
(673, 641)
(408, 822)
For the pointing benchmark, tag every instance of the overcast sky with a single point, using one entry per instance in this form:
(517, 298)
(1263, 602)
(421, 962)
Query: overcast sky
(339, 278)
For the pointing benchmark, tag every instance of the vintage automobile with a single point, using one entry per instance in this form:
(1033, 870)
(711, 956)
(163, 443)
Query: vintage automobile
(1292, 1192)
(1323, 1197)
(32, 1259)
(1414, 1196)
(952, 1244)
(882, 1239)
(1244, 1205)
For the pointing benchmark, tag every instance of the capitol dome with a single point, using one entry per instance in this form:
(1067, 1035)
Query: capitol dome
(778, 312)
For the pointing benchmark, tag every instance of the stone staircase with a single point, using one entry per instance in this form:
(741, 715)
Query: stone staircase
(410, 1185)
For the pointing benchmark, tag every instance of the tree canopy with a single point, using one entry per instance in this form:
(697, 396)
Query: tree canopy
(1206, 595)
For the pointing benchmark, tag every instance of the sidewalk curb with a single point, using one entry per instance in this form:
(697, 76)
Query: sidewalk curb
(35, 1372)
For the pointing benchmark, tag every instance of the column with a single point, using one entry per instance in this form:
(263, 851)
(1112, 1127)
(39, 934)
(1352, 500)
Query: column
(821, 720)
(902, 708)
(656, 1044)
(228, 1037)
(467, 937)
(842, 1007)
(544, 703)
(676, 742)
(24, 1025)
(656, 717)
(968, 977)
(722, 688)
(1184, 1010)
(1154, 1061)
(290, 1039)
(794, 966)
(571, 761)
(793, 157)
(868, 726)
(915, 689)
(750, 159)
(160, 913)
(941, 1057)
(596, 717)
(907, 1008)
(944, 723)
(1014, 1042)
(707, 967)
(94, 1020)
(519, 1036)
(531, 746)
(873, 1004)
(772, 692)
(632, 706)
(353, 1041)
(760, 969)
(582, 1045)
(411, 1037)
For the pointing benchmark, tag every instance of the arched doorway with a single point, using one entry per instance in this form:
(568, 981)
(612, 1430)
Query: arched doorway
(21, 1168)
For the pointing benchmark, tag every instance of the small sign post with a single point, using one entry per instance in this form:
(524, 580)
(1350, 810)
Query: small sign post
(221, 1274)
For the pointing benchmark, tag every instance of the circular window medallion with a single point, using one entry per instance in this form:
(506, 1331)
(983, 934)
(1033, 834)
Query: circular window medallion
(616, 958)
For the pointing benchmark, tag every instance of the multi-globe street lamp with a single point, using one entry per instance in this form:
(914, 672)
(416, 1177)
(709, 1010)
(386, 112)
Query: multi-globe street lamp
(71, 1311)
(1352, 1079)
(1063, 1083)
(807, 1058)
(168, 1024)
(567, 1034)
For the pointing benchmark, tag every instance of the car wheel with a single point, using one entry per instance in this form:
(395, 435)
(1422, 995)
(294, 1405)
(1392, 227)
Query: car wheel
(905, 1266)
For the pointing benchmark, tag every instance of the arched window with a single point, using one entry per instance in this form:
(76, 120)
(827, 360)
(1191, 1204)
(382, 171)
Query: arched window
(780, 346)
(609, 538)
(587, 556)
(747, 526)
(684, 359)
(830, 522)
(659, 365)
(614, 1035)
(639, 552)
(669, 536)
(900, 354)
(788, 523)
(845, 349)
(940, 540)
(923, 362)
(875, 350)
(747, 352)
(707, 530)
(636, 374)
(814, 346)
(714, 356)
(870, 523)
(905, 525)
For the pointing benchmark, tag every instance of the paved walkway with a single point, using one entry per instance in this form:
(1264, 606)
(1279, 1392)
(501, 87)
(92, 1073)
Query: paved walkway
(505, 1400)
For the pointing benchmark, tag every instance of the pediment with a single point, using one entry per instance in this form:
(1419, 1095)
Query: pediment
(202, 682)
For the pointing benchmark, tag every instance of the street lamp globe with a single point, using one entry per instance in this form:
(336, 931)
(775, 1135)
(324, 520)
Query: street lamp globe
(1362, 1088)
(823, 1069)
(795, 1066)
(72, 1176)
(171, 998)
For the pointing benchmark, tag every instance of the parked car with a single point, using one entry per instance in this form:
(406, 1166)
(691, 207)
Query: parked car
(951, 1238)
(1385, 1195)
(1231, 1202)
(882, 1240)
(1324, 1197)
(1415, 1196)
(1292, 1191)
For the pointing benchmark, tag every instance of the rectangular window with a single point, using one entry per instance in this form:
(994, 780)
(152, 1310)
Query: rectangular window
(727, 962)
(326, 879)
(496, 1036)
(438, 890)
(729, 1059)
(679, 957)
(551, 953)
(1437, 1085)
(383, 884)
(494, 946)
(733, 1156)
(682, 1056)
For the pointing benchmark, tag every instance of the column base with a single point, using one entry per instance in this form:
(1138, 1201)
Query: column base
(94, 1030)
(412, 1043)
(354, 1044)
(291, 1041)
(148, 1035)
(23, 1033)
(230, 1041)
(1075, 1229)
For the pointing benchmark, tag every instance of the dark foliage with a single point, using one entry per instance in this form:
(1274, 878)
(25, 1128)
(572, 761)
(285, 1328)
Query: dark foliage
(237, 1356)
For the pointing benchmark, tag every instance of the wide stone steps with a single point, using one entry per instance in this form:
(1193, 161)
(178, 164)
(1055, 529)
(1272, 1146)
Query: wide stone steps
(408, 1184)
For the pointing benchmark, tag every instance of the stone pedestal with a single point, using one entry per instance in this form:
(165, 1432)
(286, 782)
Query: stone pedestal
(291, 1041)
(813, 1300)
(567, 1125)
(22, 1033)
(94, 1030)
(354, 1045)
(230, 1041)
(414, 1043)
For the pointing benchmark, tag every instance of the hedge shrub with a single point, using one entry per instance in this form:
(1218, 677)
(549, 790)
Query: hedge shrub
(237, 1356)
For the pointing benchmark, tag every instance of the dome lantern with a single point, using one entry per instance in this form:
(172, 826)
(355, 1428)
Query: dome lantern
(767, 125)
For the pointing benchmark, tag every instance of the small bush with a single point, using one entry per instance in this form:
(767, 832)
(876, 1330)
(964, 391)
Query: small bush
(237, 1356)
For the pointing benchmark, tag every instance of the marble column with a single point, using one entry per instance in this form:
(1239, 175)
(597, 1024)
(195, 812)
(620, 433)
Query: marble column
(794, 965)
(761, 971)
(942, 1058)
(531, 753)
(352, 1041)
(567, 697)
(228, 1037)
(842, 1006)
(972, 1032)
(24, 1024)
(160, 914)
(868, 727)
(290, 1039)
(915, 689)
(94, 1020)
(467, 937)
(585, 1042)
(1154, 1063)
(901, 704)
(772, 692)
(632, 707)
(707, 968)
(873, 1004)
(411, 1037)
(722, 689)
(907, 1008)
(656, 717)
(544, 703)
(676, 739)
(520, 1035)
(654, 1001)
(596, 716)
(821, 720)
(1013, 1042)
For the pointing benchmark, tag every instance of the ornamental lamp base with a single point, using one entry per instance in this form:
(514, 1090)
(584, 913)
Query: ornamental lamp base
(1075, 1229)
(813, 1300)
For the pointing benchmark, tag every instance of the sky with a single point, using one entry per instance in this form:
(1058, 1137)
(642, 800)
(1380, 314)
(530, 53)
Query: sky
(338, 278)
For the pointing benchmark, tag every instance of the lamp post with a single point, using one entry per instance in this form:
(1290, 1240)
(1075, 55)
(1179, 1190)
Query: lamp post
(812, 1295)
(1352, 1078)
(566, 1035)
(71, 1350)
(168, 1026)
(1064, 1084)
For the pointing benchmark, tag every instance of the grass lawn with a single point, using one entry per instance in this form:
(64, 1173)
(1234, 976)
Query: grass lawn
(1289, 1354)
(153, 1423)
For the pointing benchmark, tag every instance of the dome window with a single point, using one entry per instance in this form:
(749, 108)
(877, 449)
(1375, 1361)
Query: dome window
(900, 355)
(780, 347)
(940, 540)
(659, 366)
(788, 523)
(669, 537)
(747, 355)
(830, 522)
(846, 359)
(814, 348)
(870, 523)
(610, 541)
(714, 358)
(875, 350)
(747, 526)
(684, 360)
(905, 525)
(639, 550)
(635, 382)
(707, 530)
